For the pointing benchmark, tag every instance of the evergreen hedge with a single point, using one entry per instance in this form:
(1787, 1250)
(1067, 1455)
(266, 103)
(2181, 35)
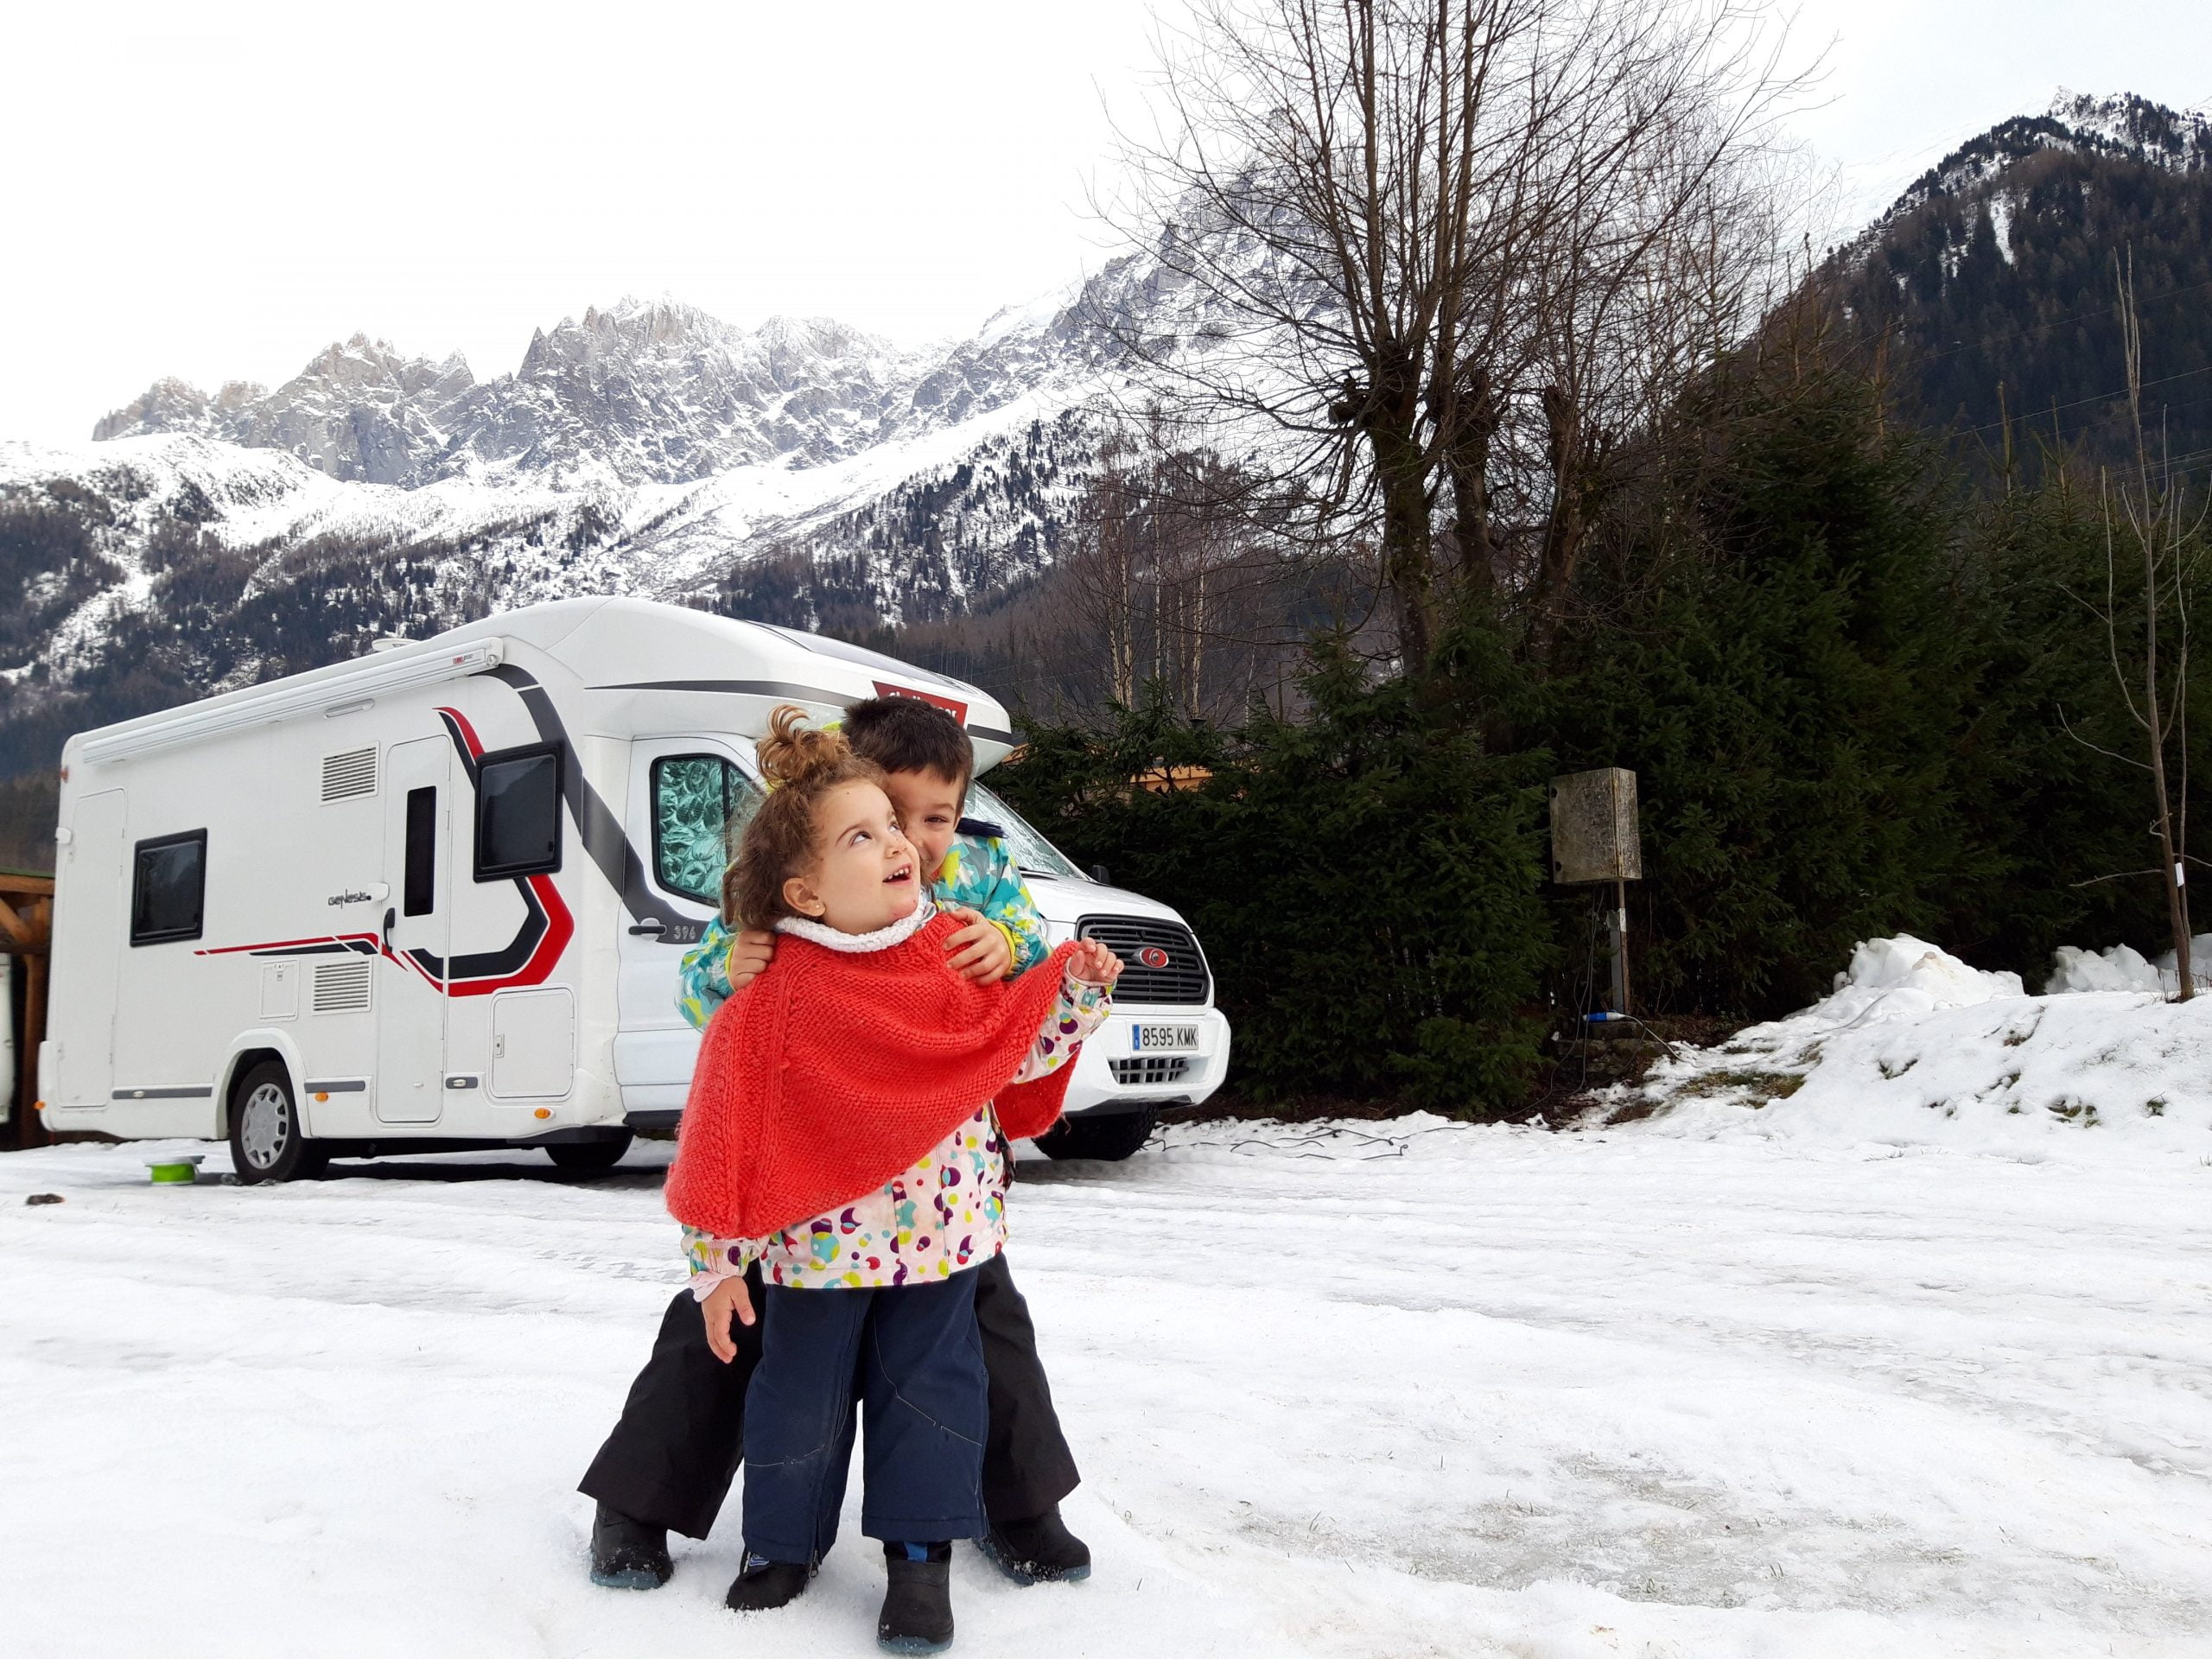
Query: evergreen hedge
(1858, 702)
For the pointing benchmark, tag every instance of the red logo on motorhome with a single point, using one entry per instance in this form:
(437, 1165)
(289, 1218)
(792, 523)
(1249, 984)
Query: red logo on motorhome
(1153, 957)
(952, 705)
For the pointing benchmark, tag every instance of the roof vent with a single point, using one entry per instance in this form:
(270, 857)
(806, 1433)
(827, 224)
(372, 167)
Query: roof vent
(341, 986)
(352, 773)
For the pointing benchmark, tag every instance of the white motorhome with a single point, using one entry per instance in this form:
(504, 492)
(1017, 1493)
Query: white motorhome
(436, 899)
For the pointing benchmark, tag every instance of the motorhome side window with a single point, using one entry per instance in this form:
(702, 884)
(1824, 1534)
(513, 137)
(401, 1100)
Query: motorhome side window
(700, 803)
(169, 888)
(420, 896)
(519, 812)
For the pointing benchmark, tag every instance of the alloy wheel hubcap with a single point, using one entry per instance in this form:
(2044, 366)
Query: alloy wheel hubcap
(266, 1126)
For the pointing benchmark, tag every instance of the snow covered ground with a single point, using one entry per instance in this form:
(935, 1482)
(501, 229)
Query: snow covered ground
(1674, 1391)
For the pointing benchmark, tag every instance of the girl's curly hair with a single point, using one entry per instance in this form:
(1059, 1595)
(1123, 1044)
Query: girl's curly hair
(802, 764)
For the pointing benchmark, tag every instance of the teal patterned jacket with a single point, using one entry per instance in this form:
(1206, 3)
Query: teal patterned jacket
(978, 873)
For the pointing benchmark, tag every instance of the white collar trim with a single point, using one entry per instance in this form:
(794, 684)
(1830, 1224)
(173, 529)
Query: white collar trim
(882, 939)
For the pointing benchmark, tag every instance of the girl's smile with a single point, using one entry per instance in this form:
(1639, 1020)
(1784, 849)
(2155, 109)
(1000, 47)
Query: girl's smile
(865, 874)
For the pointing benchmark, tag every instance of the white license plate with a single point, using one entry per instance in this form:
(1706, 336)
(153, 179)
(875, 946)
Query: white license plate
(1144, 1040)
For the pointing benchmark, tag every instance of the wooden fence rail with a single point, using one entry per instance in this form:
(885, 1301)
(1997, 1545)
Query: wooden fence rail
(25, 929)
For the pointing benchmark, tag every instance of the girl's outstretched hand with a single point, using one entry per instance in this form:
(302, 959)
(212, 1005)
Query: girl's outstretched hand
(1093, 964)
(725, 1299)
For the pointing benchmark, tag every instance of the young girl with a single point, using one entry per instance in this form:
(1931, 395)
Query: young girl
(841, 1130)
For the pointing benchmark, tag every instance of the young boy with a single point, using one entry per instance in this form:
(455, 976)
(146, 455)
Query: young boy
(670, 1461)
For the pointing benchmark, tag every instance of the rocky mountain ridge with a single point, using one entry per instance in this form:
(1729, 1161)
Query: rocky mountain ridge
(641, 392)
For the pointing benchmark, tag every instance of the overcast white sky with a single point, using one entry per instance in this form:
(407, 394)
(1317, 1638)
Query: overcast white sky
(219, 190)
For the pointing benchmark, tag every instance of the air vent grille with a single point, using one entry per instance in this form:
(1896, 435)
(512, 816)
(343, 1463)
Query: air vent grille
(1148, 1070)
(341, 986)
(345, 776)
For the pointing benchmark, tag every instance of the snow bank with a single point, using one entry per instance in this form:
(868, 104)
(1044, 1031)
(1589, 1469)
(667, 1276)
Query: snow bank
(2121, 968)
(1905, 978)
(1916, 1048)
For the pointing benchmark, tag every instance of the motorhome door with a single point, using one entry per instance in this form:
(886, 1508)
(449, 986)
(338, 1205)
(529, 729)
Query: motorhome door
(416, 916)
(687, 798)
(94, 927)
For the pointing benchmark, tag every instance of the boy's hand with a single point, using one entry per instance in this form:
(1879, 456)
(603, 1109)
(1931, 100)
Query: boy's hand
(979, 950)
(1093, 964)
(749, 952)
(725, 1299)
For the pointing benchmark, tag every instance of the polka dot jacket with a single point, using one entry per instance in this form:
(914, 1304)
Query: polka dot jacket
(946, 1213)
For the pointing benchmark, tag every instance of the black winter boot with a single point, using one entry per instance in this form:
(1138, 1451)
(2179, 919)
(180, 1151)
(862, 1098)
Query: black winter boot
(628, 1554)
(1041, 1550)
(917, 1614)
(762, 1584)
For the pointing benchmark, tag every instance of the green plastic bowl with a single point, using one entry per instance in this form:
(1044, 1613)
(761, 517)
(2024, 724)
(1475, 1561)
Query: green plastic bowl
(174, 1172)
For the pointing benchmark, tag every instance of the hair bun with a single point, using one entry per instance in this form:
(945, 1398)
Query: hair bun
(794, 750)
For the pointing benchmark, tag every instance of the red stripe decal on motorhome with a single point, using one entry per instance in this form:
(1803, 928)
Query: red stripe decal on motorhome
(275, 947)
(560, 926)
(465, 734)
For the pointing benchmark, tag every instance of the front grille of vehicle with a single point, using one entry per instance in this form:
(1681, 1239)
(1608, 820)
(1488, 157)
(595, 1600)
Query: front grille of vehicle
(1182, 977)
(1150, 1068)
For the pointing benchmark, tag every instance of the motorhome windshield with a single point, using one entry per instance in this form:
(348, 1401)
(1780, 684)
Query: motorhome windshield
(1035, 854)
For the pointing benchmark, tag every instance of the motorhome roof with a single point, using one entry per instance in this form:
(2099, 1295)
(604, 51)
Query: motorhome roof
(611, 643)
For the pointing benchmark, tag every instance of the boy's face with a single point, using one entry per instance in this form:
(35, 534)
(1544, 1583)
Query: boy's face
(928, 805)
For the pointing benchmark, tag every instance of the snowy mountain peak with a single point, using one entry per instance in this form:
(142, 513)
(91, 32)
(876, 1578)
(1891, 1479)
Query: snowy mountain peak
(359, 410)
(637, 392)
(2128, 125)
(2123, 127)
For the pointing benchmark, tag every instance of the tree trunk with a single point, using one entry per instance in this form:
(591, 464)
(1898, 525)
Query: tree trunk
(1391, 419)
(2170, 858)
(1566, 525)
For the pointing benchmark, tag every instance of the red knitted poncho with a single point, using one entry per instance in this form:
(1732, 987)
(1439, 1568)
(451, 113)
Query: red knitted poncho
(833, 1072)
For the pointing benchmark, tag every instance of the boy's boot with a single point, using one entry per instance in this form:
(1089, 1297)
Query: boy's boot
(628, 1554)
(917, 1614)
(1038, 1550)
(762, 1584)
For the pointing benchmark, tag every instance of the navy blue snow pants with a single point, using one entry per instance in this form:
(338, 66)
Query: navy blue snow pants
(917, 1363)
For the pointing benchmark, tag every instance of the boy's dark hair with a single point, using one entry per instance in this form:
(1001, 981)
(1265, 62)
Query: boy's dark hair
(906, 734)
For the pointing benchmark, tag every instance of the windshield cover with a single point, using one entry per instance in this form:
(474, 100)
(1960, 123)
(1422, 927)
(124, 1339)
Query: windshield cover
(1036, 856)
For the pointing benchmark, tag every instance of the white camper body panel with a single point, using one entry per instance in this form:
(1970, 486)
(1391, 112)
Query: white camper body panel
(347, 924)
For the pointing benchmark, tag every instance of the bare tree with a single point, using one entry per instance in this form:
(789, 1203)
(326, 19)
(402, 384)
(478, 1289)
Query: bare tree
(1099, 563)
(2149, 516)
(1172, 578)
(1413, 249)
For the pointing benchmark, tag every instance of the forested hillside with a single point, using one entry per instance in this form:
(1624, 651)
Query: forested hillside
(1987, 296)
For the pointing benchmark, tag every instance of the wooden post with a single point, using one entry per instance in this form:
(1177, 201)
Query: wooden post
(26, 932)
(1620, 947)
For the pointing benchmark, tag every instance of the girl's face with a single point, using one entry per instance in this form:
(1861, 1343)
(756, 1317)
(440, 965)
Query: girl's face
(866, 874)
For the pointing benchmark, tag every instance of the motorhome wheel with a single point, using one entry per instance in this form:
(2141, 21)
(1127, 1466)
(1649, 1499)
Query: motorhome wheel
(266, 1142)
(590, 1154)
(1109, 1136)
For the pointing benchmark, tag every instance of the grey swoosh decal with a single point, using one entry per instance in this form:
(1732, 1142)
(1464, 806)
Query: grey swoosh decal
(597, 826)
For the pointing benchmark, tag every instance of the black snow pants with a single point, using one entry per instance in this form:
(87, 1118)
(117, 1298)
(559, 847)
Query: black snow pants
(671, 1457)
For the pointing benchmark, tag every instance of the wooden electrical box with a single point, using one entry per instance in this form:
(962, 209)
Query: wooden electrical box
(1594, 834)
